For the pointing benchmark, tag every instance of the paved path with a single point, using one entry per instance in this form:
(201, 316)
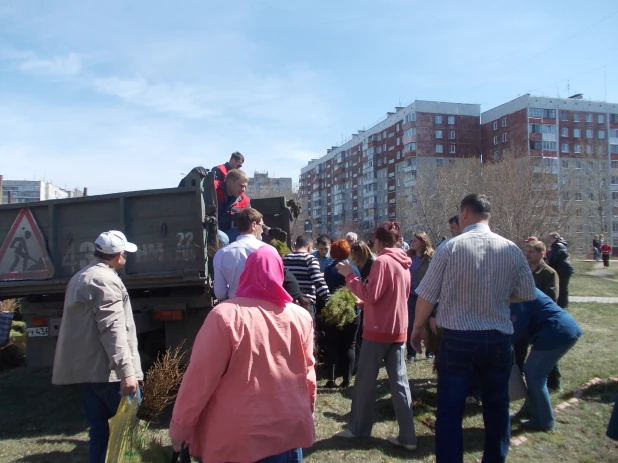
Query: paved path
(601, 300)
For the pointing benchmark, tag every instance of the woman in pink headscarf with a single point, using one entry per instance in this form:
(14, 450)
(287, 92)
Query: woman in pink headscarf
(249, 392)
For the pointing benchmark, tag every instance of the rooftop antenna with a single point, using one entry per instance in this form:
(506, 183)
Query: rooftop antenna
(568, 87)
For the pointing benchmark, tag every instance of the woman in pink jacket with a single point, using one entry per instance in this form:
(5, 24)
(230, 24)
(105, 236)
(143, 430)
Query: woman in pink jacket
(385, 329)
(249, 392)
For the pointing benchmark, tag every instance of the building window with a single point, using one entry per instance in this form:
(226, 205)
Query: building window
(536, 145)
(565, 164)
(505, 152)
(602, 165)
(589, 133)
(397, 141)
(564, 148)
(438, 133)
(439, 148)
(439, 162)
(451, 149)
(601, 134)
(578, 164)
(565, 196)
(550, 145)
(438, 119)
(397, 128)
(564, 131)
(496, 140)
(590, 164)
(614, 180)
(576, 117)
(535, 112)
(564, 116)
(601, 118)
(588, 117)
(495, 125)
(578, 196)
(577, 133)
(589, 149)
(505, 137)
(451, 135)
(535, 128)
(577, 149)
(614, 164)
(504, 122)
(451, 120)
(615, 195)
(549, 129)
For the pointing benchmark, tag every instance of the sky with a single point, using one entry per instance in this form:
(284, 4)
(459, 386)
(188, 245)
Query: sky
(121, 96)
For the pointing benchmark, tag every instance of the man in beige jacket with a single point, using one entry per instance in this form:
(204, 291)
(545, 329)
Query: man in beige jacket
(97, 344)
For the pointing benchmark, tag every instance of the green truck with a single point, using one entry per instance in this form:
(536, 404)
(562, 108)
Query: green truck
(169, 279)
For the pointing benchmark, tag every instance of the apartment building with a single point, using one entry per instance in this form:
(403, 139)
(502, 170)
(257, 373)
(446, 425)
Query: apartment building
(261, 186)
(576, 141)
(355, 186)
(24, 191)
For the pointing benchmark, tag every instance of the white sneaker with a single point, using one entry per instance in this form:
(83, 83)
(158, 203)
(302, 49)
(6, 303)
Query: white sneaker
(346, 433)
(408, 447)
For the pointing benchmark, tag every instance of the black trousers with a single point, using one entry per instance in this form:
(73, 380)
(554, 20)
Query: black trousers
(563, 290)
(341, 350)
(605, 260)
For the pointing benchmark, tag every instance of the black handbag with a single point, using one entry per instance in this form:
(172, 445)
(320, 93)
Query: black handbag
(182, 456)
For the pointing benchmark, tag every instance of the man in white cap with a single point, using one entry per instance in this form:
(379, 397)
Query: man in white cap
(97, 343)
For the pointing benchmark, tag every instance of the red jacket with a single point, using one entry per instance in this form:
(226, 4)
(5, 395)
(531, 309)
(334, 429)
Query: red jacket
(606, 249)
(385, 297)
(221, 171)
(228, 206)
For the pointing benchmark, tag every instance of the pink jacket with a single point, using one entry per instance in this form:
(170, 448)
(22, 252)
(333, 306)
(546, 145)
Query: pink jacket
(249, 391)
(385, 297)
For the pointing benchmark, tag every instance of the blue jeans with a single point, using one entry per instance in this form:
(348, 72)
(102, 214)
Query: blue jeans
(101, 402)
(464, 354)
(289, 456)
(536, 369)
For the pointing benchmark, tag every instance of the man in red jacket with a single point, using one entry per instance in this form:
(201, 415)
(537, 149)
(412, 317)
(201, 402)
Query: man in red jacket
(236, 161)
(231, 199)
(385, 329)
(606, 250)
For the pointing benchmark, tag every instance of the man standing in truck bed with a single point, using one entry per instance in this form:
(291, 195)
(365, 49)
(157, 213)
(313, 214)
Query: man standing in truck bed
(97, 344)
(231, 199)
(236, 161)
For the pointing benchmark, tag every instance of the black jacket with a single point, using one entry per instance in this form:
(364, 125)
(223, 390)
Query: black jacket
(558, 258)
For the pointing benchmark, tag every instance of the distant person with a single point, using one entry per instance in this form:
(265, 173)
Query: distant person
(231, 199)
(401, 244)
(236, 162)
(249, 392)
(97, 343)
(558, 258)
(322, 253)
(384, 303)
(474, 276)
(453, 226)
(553, 333)
(229, 261)
(351, 238)
(363, 258)
(596, 248)
(606, 251)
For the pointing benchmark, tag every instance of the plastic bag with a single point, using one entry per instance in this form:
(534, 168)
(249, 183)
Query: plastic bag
(126, 432)
(517, 386)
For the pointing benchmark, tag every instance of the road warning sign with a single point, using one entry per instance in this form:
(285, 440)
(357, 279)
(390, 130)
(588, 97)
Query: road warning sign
(23, 255)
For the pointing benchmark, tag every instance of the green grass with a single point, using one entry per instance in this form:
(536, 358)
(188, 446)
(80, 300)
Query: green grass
(43, 423)
(591, 279)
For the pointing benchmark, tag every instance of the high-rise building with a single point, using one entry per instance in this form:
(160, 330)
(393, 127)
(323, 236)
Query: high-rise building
(575, 140)
(23, 191)
(261, 186)
(355, 186)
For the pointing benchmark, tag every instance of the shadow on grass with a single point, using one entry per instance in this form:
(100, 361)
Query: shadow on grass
(605, 392)
(78, 453)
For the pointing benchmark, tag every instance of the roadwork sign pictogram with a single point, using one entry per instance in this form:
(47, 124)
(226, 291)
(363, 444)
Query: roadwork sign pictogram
(23, 255)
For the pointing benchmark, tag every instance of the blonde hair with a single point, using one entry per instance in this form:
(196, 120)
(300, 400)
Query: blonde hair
(236, 175)
(360, 249)
(424, 237)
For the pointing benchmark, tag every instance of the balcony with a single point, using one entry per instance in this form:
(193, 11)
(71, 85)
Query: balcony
(369, 181)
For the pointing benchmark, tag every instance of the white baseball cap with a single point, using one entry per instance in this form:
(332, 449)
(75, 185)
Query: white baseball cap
(114, 242)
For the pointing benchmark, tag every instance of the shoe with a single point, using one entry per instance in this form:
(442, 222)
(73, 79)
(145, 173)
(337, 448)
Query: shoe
(554, 388)
(330, 384)
(410, 359)
(531, 427)
(346, 433)
(409, 447)
(429, 355)
(344, 384)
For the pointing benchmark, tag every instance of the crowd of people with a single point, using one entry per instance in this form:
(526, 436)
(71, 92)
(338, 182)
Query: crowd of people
(477, 303)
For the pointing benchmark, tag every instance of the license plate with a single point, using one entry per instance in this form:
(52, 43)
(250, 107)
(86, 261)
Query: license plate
(35, 332)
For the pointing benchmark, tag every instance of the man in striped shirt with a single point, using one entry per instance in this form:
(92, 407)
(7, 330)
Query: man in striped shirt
(306, 269)
(474, 276)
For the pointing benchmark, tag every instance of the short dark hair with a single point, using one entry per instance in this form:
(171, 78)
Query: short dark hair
(478, 204)
(302, 241)
(454, 219)
(324, 240)
(388, 233)
(236, 156)
(246, 217)
(103, 256)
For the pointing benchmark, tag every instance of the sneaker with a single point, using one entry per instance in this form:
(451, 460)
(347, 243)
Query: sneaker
(409, 447)
(410, 359)
(346, 433)
(429, 355)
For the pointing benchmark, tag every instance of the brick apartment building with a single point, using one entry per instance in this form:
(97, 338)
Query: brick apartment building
(575, 140)
(355, 186)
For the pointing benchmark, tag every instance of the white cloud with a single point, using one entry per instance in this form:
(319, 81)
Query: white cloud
(67, 65)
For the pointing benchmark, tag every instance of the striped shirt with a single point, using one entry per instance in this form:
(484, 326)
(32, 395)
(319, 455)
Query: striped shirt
(474, 275)
(306, 269)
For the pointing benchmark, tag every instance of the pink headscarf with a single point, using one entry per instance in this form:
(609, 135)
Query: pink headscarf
(262, 277)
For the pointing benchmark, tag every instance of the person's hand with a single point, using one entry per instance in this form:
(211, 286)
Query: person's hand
(344, 268)
(177, 445)
(128, 385)
(433, 325)
(416, 338)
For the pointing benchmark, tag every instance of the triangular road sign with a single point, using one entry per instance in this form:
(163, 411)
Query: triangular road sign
(23, 255)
